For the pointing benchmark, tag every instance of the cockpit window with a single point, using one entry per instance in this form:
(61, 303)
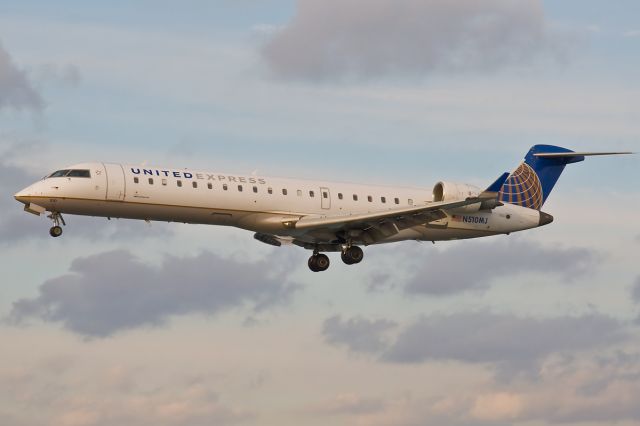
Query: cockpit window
(71, 173)
(79, 173)
(59, 173)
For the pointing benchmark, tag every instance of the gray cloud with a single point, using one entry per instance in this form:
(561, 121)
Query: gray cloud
(493, 338)
(16, 91)
(635, 290)
(508, 342)
(15, 223)
(114, 291)
(360, 334)
(344, 39)
(439, 273)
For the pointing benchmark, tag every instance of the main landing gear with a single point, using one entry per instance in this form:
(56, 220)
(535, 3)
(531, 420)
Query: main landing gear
(352, 255)
(56, 229)
(319, 262)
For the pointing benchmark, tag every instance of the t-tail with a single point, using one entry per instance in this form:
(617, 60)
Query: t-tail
(531, 183)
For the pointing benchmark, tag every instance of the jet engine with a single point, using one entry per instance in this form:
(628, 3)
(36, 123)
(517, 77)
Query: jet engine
(451, 191)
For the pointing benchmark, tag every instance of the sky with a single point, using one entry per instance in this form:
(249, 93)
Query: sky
(124, 322)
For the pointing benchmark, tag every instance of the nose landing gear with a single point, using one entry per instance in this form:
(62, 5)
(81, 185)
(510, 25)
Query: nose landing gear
(56, 229)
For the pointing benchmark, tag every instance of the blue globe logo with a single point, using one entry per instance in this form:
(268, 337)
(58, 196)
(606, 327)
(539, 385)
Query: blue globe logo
(523, 188)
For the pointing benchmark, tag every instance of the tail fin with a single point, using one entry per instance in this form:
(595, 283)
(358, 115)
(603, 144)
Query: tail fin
(531, 183)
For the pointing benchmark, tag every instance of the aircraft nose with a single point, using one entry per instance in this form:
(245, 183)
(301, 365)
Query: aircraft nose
(545, 219)
(22, 196)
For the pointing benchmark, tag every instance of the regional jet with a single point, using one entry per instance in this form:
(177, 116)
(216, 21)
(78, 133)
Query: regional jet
(320, 216)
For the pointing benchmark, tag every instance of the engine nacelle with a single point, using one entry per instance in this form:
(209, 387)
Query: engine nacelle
(451, 191)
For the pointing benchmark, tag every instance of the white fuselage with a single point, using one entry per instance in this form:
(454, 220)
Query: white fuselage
(256, 203)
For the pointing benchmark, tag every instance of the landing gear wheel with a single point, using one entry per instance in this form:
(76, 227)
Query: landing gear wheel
(318, 262)
(352, 255)
(55, 231)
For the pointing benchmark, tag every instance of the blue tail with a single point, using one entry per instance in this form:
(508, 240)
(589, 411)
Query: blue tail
(531, 183)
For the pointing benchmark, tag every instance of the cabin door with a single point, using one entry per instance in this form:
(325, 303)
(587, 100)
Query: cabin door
(115, 182)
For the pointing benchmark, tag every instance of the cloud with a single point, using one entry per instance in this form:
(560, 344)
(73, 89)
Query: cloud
(508, 342)
(635, 290)
(95, 396)
(343, 39)
(346, 404)
(359, 334)
(556, 396)
(65, 75)
(16, 91)
(114, 291)
(440, 272)
(15, 223)
(500, 338)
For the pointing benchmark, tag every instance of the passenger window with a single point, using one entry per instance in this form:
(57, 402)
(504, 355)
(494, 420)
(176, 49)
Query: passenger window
(150, 181)
(224, 186)
(164, 182)
(194, 184)
(239, 188)
(284, 191)
(396, 200)
(369, 198)
(325, 194)
(312, 194)
(255, 189)
(210, 185)
(179, 183)
(383, 199)
(270, 190)
(355, 197)
(410, 202)
(340, 195)
(136, 180)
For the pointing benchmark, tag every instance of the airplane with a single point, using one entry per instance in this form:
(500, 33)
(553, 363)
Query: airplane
(320, 216)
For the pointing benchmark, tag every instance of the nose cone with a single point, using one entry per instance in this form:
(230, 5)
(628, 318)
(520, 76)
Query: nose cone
(24, 196)
(545, 219)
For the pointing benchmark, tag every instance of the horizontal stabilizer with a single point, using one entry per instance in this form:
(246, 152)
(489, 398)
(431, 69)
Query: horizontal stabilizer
(577, 154)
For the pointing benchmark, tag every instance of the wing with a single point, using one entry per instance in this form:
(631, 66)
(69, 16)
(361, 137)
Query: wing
(369, 228)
